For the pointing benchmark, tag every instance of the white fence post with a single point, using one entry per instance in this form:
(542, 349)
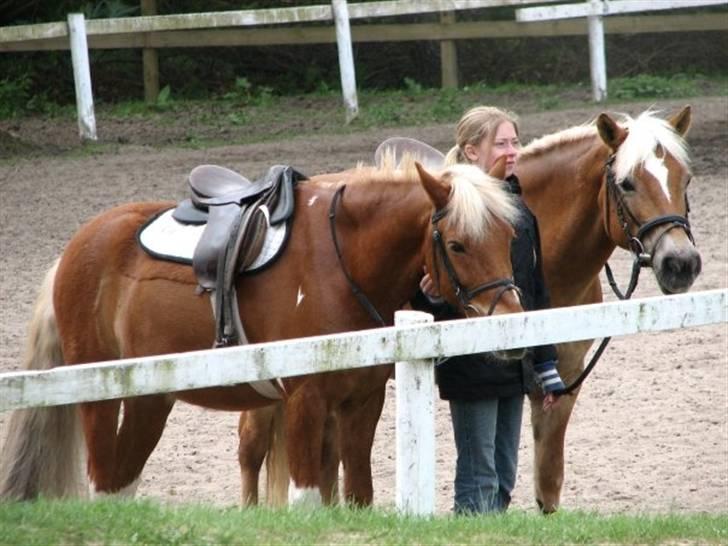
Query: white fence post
(82, 76)
(346, 58)
(597, 56)
(415, 406)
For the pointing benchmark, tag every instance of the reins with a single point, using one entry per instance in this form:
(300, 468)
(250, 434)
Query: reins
(464, 295)
(363, 300)
(640, 258)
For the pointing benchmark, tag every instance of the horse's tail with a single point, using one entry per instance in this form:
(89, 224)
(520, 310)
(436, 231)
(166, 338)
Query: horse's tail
(43, 452)
(276, 462)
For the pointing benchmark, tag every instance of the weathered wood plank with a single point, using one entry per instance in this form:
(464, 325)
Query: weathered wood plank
(463, 30)
(252, 17)
(608, 8)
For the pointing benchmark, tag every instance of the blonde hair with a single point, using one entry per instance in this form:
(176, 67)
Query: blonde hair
(476, 124)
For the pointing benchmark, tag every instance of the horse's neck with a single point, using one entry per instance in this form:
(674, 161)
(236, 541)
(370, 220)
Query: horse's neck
(562, 186)
(386, 225)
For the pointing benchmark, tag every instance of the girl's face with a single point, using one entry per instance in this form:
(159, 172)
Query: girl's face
(505, 143)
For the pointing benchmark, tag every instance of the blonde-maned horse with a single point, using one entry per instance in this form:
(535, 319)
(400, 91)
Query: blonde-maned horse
(108, 299)
(592, 188)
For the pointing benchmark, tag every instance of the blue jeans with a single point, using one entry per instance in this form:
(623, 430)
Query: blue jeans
(487, 434)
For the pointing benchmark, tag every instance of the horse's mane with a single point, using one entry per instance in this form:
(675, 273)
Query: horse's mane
(546, 143)
(476, 199)
(646, 133)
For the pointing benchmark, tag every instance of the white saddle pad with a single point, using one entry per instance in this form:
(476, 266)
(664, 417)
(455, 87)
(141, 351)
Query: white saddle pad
(167, 239)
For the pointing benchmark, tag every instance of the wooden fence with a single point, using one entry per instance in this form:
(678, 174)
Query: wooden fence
(233, 28)
(412, 343)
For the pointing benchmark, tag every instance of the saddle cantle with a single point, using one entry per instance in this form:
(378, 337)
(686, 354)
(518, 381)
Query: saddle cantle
(397, 148)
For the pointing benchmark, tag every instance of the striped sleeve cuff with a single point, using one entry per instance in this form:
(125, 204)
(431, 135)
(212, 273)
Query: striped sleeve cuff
(548, 376)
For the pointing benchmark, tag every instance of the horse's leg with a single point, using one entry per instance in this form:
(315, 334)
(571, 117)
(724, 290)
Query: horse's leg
(262, 430)
(306, 413)
(100, 421)
(116, 459)
(141, 428)
(549, 430)
(254, 435)
(357, 424)
(330, 459)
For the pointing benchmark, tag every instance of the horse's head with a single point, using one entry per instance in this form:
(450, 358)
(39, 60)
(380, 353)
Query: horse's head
(645, 199)
(472, 229)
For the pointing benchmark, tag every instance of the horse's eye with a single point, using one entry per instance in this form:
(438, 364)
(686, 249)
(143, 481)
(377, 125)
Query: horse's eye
(627, 185)
(456, 247)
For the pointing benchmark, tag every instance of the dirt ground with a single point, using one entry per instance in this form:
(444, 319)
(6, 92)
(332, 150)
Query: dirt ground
(650, 429)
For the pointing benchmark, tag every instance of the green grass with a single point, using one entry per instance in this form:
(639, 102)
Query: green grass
(120, 522)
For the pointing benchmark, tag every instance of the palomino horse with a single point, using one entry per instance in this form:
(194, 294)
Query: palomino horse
(108, 299)
(592, 188)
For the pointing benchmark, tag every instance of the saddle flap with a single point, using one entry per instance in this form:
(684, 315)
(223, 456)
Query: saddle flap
(212, 242)
(399, 147)
(214, 181)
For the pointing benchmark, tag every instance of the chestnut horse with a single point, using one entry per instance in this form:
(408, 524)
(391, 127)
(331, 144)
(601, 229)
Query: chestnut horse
(592, 188)
(108, 299)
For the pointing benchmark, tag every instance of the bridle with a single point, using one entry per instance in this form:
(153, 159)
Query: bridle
(464, 295)
(641, 258)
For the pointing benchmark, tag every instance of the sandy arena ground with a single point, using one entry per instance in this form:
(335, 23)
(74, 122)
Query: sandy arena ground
(650, 429)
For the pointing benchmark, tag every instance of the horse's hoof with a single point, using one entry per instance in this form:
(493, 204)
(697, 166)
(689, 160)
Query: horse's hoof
(544, 510)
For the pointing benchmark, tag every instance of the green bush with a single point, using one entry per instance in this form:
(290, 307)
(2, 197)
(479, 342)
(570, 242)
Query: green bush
(647, 86)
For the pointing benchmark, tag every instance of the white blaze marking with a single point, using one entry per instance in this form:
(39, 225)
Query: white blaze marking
(656, 168)
(312, 200)
(125, 492)
(307, 496)
(299, 297)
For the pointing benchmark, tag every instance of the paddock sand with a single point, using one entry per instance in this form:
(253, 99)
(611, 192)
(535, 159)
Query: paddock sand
(649, 432)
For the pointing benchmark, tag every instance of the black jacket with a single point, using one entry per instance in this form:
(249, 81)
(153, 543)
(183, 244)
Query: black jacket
(472, 377)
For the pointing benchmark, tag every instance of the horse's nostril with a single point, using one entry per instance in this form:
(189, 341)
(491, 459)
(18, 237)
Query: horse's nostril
(682, 265)
(673, 265)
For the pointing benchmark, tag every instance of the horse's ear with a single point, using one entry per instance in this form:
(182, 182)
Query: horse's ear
(681, 121)
(612, 134)
(498, 169)
(437, 189)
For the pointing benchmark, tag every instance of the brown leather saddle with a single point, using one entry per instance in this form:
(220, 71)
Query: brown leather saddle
(236, 213)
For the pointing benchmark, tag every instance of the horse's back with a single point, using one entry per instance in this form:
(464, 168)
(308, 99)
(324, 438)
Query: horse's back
(109, 292)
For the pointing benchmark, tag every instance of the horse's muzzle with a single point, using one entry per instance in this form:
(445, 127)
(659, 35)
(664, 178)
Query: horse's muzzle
(676, 268)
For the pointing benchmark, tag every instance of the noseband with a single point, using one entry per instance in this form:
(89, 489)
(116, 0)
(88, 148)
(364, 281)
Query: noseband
(464, 295)
(642, 258)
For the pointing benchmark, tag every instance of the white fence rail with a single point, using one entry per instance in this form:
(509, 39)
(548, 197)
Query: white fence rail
(401, 344)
